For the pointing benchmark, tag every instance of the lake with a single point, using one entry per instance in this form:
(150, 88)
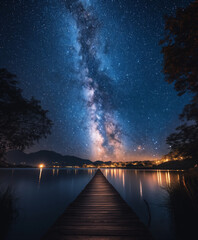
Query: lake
(145, 191)
(43, 194)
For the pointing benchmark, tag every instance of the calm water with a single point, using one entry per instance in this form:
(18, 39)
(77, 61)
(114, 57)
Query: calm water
(42, 195)
(143, 190)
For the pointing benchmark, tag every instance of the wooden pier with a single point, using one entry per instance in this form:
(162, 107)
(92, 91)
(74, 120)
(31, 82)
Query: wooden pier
(99, 212)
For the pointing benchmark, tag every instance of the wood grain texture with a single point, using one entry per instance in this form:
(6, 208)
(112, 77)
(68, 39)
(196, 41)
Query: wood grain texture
(99, 212)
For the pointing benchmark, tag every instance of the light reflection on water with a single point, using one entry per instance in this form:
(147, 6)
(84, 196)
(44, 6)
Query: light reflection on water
(145, 190)
(40, 174)
(42, 196)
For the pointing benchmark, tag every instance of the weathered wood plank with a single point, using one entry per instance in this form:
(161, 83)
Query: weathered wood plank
(99, 212)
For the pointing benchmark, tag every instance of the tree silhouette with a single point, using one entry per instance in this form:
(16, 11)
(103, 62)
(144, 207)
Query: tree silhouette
(22, 121)
(180, 50)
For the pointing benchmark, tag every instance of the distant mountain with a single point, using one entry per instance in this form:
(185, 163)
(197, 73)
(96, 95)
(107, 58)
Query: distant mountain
(49, 158)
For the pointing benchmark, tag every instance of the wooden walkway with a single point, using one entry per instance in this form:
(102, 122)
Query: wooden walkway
(98, 212)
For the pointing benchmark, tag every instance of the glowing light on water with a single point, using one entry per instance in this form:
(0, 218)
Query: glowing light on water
(123, 179)
(120, 173)
(168, 180)
(114, 173)
(105, 172)
(140, 188)
(90, 171)
(159, 177)
(178, 177)
(41, 166)
(40, 174)
(184, 183)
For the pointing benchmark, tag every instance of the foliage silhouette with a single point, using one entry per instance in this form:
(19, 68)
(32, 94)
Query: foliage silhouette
(180, 50)
(22, 121)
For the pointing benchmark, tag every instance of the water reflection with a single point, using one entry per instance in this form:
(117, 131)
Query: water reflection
(53, 171)
(159, 177)
(141, 189)
(115, 173)
(145, 192)
(40, 174)
(168, 179)
(39, 207)
(123, 180)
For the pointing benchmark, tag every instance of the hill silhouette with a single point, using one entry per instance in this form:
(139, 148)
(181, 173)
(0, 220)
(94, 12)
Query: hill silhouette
(49, 158)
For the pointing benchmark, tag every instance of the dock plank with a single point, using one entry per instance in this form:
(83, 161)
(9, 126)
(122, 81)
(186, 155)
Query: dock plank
(100, 213)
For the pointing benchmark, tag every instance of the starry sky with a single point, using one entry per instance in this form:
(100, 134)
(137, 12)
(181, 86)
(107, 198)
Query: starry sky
(96, 65)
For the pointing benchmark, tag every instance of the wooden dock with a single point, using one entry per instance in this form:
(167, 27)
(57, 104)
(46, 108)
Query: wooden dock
(99, 212)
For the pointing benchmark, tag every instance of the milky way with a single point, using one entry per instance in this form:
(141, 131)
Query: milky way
(104, 131)
(96, 65)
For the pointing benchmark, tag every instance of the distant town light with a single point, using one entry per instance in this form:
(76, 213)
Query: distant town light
(41, 165)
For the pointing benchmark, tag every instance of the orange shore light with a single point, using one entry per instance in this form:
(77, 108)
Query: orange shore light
(41, 165)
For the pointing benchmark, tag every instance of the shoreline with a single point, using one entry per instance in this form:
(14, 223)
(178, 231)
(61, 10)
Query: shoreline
(139, 169)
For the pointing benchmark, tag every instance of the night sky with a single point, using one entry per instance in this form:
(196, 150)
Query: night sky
(96, 66)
